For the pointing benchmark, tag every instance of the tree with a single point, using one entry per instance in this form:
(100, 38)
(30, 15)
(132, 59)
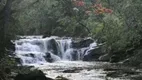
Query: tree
(5, 20)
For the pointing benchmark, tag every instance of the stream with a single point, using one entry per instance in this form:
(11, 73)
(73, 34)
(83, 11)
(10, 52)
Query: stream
(60, 57)
(80, 70)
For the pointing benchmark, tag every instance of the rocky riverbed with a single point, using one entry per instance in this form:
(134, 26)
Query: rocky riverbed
(78, 70)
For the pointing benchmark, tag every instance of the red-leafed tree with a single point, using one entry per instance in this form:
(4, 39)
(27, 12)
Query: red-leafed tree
(94, 7)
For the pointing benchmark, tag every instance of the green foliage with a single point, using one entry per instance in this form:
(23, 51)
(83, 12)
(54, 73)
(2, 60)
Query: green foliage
(6, 64)
(122, 28)
(118, 29)
(48, 17)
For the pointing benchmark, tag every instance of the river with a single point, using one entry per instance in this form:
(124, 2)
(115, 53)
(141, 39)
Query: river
(56, 57)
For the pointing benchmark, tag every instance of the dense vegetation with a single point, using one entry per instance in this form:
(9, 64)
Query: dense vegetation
(116, 23)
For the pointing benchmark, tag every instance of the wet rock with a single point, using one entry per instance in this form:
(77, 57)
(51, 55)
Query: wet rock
(53, 46)
(10, 45)
(138, 77)
(32, 55)
(82, 43)
(111, 69)
(61, 78)
(48, 57)
(130, 51)
(112, 74)
(18, 60)
(44, 36)
(33, 75)
(124, 72)
(114, 59)
(105, 57)
(126, 61)
(93, 55)
(135, 60)
(70, 71)
(73, 70)
(73, 55)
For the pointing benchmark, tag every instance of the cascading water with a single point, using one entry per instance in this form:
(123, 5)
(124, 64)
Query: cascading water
(40, 50)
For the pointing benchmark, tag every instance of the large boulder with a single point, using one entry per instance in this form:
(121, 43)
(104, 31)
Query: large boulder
(82, 43)
(93, 54)
(50, 57)
(33, 75)
(112, 56)
(53, 46)
(105, 57)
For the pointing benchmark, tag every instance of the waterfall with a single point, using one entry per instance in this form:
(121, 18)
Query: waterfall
(34, 50)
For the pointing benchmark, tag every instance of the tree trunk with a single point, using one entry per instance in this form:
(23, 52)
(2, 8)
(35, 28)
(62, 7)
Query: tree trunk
(5, 23)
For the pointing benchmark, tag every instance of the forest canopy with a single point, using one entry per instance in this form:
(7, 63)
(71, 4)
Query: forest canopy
(117, 23)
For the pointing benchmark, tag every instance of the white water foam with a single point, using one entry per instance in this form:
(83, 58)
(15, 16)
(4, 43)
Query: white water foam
(33, 50)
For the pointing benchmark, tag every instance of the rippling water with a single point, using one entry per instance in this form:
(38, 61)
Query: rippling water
(35, 50)
(76, 70)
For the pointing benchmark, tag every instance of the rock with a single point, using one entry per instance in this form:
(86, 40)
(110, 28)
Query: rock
(69, 71)
(105, 57)
(114, 58)
(135, 60)
(53, 46)
(130, 51)
(29, 55)
(126, 61)
(61, 78)
(48, 57)
(72, 55)
(93, 54)
(44, 36)
(112, 74)
(10, 45)
(74, 70)
(111, 69)
(122, 72)
(18, 60)
(32, 55)
(82, 43)
(33, 75)
(139, 77)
